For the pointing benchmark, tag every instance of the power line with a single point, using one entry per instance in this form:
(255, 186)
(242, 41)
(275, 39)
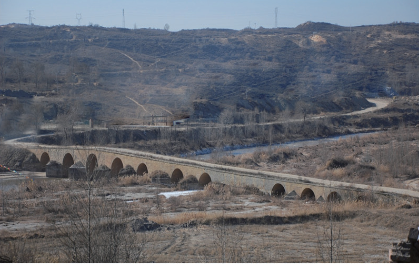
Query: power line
(30, 17)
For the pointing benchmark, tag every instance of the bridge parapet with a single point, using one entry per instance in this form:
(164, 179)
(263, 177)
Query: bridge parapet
(268, 182)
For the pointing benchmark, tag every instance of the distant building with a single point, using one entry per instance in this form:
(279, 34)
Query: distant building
(180, 121)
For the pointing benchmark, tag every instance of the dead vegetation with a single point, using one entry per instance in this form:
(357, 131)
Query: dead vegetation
(223, 67)
(71, 221)
(387, 158)
(74, 221)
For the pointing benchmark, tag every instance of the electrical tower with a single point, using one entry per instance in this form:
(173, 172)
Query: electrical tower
(276, 17)
(123, 18)
(30, 17)
(78, 17)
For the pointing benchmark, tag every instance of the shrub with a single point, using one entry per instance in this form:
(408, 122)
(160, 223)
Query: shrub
(189, 183)
(129, 180)
(336, 163)
(160, 177)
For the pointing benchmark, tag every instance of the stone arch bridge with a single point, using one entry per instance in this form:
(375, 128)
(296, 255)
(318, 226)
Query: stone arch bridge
(269, 182)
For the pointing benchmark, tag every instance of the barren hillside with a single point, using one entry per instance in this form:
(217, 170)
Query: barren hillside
(114, 72)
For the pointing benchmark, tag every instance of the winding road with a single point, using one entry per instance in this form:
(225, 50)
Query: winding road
(380, 103)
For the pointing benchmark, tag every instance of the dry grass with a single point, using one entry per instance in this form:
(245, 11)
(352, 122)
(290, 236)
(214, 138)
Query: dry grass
(184, 217)
(254, 240)
(277, 155)
(133, 180)
(385, 159)
(216, 210)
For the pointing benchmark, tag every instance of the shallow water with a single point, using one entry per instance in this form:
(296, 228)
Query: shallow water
(12, 180)
(239, 150)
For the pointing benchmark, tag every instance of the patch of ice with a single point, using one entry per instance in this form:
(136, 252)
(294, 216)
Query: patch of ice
(177, 193)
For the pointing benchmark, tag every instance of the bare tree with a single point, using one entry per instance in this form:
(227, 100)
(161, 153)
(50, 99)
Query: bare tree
(97, 229)
(227, 240)
(226, 117)
(18, 70)
(39, 73)
(330, 240)
(66, 120)
(3, 69)
(34, 116)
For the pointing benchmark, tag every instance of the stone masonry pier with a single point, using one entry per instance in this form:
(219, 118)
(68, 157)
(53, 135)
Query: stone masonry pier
(273, 183)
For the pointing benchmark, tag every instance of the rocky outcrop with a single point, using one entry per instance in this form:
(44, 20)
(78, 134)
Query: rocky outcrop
(19, 159)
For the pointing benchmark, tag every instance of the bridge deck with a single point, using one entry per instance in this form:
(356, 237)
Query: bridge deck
(263, 180)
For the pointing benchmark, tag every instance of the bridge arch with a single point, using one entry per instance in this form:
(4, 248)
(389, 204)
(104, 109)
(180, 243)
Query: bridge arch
(177, 175)
(204, 179)
(91, 163)
(116, 167)
(142, 169)
(308, 194)
(334, 197)
(44, 159)
(278, 190)
(67, 162)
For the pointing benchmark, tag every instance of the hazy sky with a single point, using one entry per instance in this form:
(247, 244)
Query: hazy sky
(196, 14)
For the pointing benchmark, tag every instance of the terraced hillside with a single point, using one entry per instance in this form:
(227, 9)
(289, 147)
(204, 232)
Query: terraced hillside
(115, 72)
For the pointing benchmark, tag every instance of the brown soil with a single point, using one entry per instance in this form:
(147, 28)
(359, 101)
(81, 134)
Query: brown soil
(388, 158)
(253, 227)
(224, 223)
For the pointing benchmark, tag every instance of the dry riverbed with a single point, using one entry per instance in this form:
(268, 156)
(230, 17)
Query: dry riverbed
(244, 224)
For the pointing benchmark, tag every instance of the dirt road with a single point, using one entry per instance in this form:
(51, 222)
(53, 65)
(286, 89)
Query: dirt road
(379, 104)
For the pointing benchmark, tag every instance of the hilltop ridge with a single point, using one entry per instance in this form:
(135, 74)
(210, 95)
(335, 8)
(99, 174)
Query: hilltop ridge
(318, 67)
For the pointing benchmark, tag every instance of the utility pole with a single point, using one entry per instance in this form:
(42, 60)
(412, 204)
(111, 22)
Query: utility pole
(78, 17)
(276, 17)
(123, 18)
(30, 17)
